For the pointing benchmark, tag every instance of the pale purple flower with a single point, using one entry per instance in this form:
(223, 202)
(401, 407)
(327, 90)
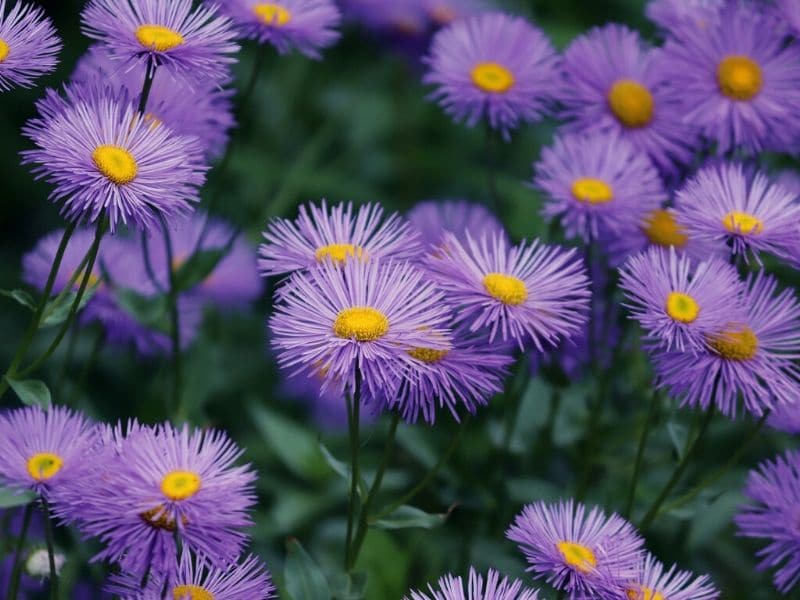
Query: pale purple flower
(654, 582)
(432, 218)
(493, 587)
(698, 13)
(29, 45)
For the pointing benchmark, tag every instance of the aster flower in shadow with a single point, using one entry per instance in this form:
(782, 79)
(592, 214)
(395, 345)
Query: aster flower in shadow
(29, 45)
(696, 13)
(654, 582)
(493, 587)
(433, 218)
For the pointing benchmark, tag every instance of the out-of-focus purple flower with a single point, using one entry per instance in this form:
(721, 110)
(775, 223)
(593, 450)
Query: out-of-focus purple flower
(614, 82)
(575, 551)
(29, 45)
(493, 587)
(774, 493)
(753, 358)
(599, 185)
(737, 81)
(530, 293)
(790, 180)
(321, 235)
(193, 44)
(432, 218)
(788, 12)
(696, 13)
(493, 66)
(656, 583)
(414, 18)
(786, 418)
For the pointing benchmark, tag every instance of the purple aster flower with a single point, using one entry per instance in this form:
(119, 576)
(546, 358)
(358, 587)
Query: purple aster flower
(493, 66)
(29, 45)
(774, 493)
(308, 25)
(493, 587)
(530, 292)
(790, 180)
(614, 82)
(786, 418)
(737, 81)
(752, 358)
(362, 315)
(101, 157)
(696, 13)
(722, 205)
(194, 44)
(788, 11)
(321, 235)
(597, 184)
(680, 304)
(195, 578)
(656, 583)
(575, 551)
(432, 218)
(162, 485)
(44, 450)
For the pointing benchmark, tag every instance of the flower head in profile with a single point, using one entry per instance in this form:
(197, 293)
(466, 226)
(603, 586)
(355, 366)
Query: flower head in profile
(696, 13)
(752, 358)
(677, 303)
(493, 587)
(29, 45)
(432, 218)
(530, 293)
(338, 235)
(307, 25)
(575, 550)
(773, 491)
(654, 582)
(599, 185)
(493, 66)
(614, 82)
(737, 81)
(750, 214)
(100, 156)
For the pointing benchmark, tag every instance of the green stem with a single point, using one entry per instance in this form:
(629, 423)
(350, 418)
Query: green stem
(353, 412)
(51, 551)
(172, 299)
(491, 166)
(640, 453)
(147, 85)
(16, 570)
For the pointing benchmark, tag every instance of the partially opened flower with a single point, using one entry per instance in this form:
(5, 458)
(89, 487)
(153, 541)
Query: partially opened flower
(697, 13)
(29, 45)
(337, 235)
(307, 25)
(493, 66)
(724, 206)
(530, 293)
(773, 491)
(656, 583)
(493, 587)
(598, 185)
(432, 218)
(576, 551)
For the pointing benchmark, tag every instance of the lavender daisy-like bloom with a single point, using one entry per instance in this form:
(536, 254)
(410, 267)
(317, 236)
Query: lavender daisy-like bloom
(614, 82)
(195, 578)
(680, 304)
(493, 587)
(336, 319)
(752, 358)
(432, 218)
(669, 13)
(493, 66)
(166, 483)
(530, 292)
(338, 235)
(101, 157)
(575, 551)
(307, 25)
(656, 583)
(737, 81)
(44, 450)
(722, 205)
(193, 44)
(597, 184)
(37, 263)
(29, 45)
(774, 493)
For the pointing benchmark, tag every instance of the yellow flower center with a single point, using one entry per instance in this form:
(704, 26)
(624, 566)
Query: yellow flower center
(338, 252)
(4, 50)
(592, 191)
(662, 229)
(682, 307)
(578, 556)
(44, 465)
(361, 323)
(739, 77)
(428, 355)
(158, 518)
(180, 485)
(272, 14)
(116, 163)
(492, 77)
(644, 593)
(742, 222)
(735, 344)
(158, 37)
(631, 103)
(191, 592)
(506, 288)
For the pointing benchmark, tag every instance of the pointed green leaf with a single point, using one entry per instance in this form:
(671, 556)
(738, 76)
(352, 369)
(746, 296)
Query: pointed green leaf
(350, 586)
(303, 577)
(11, 498)
(407, 517)
(198, 267)
(31, 392)
(151, 311)
(341, 469)
(20, 296)
(57, 310)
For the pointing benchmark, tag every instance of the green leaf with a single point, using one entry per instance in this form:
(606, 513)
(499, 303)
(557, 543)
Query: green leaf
(20, 296)
(341, 469)
(198, 267)
(31, 392)
(678, 435)
(57, 310)
(303, 577)
(350, 586)
(407, 517)
(11, 498)
(150, 311)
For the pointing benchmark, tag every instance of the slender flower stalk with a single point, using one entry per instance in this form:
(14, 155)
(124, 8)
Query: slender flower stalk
(51, 553)
(651, 414)
(16, 569)
(353, 416)
(174, 317)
